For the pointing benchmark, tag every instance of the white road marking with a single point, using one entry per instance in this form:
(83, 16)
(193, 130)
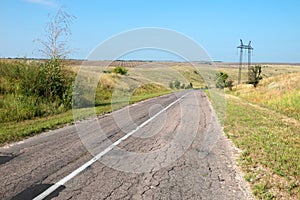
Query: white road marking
(98, 156)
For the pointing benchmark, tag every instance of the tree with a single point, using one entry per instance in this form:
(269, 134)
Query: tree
(57, 36)
(255, 75)
(220, 79)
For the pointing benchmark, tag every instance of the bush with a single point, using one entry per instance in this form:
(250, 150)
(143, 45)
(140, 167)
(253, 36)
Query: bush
(171, 85)
(220, 79)
(254, 75)
(177, 84)
(33, 89)
(229, 84)
(120, 70)
(189, 86)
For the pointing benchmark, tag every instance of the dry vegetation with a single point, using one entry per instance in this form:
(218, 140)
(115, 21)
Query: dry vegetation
(264, 123)
(280, 93)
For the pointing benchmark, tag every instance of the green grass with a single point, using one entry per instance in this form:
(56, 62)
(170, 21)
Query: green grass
(23, 115)
(264, 122)
(25, 108)
(270, 145)
(15, 131)
(33, 89)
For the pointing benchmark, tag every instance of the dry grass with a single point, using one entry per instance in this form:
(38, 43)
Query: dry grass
(268, 70)
(264, 123)
(280, 93)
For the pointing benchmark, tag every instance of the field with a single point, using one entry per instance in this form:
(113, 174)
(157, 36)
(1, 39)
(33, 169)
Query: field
(263, 122)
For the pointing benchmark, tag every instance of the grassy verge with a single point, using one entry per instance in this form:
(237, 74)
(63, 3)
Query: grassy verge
(270, 145)
(15, 131)
(280, 93)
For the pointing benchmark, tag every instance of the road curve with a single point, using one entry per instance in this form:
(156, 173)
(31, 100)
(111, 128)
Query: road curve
(176, 151)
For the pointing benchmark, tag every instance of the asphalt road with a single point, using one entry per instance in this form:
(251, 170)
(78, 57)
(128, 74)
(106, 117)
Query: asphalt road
(170, 147)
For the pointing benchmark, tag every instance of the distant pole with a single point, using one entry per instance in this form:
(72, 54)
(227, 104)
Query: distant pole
(241, 61)
(240, 66)
(249, 63)
(242, 46)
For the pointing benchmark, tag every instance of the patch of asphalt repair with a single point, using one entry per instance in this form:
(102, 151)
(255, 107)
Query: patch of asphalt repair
(204, 171)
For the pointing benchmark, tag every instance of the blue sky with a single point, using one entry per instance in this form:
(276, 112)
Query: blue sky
(273, 26)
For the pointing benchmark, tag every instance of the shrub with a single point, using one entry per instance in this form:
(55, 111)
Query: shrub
(120, 70)
(177, 84)
(220, 79)
(254, 75)
(171, 85)
(33, 89)
(189, 86)
(229, 84)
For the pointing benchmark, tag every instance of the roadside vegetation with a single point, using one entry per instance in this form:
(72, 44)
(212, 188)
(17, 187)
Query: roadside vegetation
(39, 95)
(264, 122)
(36, 96)
(33, 89)
(280, 93)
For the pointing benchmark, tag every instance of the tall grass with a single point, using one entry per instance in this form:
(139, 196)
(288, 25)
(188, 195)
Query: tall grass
(280, 93)
(33, 89)
(288, 103)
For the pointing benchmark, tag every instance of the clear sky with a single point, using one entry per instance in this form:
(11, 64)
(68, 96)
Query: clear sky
(273, 26)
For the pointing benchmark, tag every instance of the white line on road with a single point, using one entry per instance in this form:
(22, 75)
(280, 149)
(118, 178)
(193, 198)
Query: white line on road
(98, 156)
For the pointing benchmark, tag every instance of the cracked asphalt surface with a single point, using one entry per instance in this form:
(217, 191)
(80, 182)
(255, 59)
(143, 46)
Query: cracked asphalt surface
(180, 154)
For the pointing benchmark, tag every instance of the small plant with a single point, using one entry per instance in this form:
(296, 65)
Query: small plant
(120, 70)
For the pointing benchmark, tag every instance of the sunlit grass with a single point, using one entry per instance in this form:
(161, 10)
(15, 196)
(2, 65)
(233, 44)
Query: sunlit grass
(270, 145)
(268, 135)
(14, 131)
(280, 93)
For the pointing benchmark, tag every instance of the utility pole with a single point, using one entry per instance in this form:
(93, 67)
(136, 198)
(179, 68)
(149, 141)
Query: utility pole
(249, 47)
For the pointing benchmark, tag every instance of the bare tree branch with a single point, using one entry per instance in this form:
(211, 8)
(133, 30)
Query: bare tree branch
(57, 36)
